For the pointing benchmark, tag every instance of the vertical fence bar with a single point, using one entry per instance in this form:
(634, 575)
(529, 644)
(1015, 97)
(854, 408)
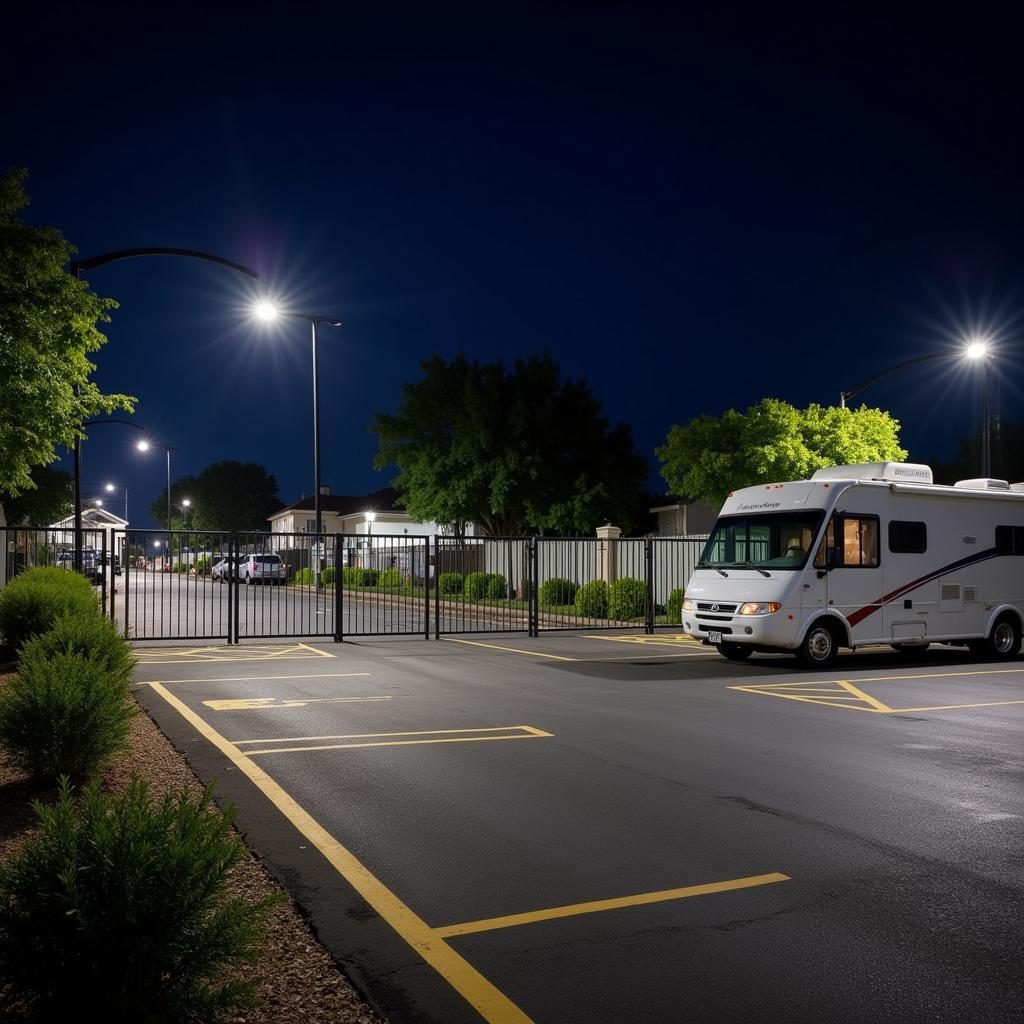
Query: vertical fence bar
(339, 592)
(534, 629)
(649, 608)
(233, 582)
(426, 587)
(439, 543)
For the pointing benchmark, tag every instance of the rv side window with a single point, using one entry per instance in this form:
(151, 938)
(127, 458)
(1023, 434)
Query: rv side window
(908, 538)
(1010, 540)
(859, 538)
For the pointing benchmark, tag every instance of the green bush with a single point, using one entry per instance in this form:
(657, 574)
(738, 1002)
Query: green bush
(627, 599)
(304, 577)
(64, 713)
(524, 589)
(203, 565)
(391, 579)
(450, 583)
(355, 577)
(557, 591)
(121, 905)
(674, 607)
(497, 588)
(475, 586)
(89, 635)
(327, 575)
(36, 598)
(592, 599)
(182, 567)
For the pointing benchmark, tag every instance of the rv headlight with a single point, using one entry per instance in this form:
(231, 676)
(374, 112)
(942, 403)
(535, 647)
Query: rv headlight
(687, 605)
(759, 609)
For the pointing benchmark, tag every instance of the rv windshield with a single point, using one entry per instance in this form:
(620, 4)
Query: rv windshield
(772, 540)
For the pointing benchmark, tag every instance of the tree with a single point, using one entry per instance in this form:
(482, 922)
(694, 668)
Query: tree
(511, 450)
(773, 440)
(50, 497)
(227, 495)
(47, 331)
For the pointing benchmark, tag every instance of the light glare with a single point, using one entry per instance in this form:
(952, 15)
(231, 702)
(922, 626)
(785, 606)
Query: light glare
(143, 446)
(265, 311)
(976, 349)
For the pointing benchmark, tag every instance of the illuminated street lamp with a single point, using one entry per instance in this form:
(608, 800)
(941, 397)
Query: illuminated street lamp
(111, 488)
(976, 350)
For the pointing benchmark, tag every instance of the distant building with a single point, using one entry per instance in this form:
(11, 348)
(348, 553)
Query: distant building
(93, 519)
(675, 518)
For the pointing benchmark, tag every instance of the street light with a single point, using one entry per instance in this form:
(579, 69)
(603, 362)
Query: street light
(976, 350)
(269, 312)
(370, 517)
(110, 488)
(76, 269)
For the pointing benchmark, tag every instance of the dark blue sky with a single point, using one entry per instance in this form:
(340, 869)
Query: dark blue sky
(690, 211)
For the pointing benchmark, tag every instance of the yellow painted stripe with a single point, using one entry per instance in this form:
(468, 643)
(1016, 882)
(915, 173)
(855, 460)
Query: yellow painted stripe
(395, 743)
(388, 735)
(267, 703)
(509, 650)
(492, 1004)
(246, 679)
(953, 707)
(597, 906)
(939, 675)
(866, 697)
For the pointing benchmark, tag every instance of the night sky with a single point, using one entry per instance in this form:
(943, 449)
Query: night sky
(690, 211)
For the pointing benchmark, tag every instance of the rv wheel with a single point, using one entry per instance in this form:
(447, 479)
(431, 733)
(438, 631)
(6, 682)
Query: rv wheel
(820, 646)
(1002, 643)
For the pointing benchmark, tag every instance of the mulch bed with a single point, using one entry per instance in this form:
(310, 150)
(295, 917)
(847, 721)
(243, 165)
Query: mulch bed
(299, 982)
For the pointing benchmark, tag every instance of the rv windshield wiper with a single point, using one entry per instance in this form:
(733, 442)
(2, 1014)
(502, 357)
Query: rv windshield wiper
(708, 565)
(750, 565)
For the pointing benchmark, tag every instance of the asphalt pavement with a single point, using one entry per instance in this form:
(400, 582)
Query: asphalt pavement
(623, 828)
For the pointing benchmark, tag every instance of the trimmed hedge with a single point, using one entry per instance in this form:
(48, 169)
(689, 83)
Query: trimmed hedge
(674, 607)
(451, 583)
(389, 578)
(36, 598)
(497, 588)
(304, 577)
(327, 575)
(475, 586)
(89, 635)
(356, 577)
(592, 599)
(121, 905)
(557, 591)
(203, 566)
(627, 599)
(64, 713)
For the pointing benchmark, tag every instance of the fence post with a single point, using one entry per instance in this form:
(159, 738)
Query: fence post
(339, 592)
(103, 570)
(534, 612)
(649, 575)
(437, 586)
(233, 589)
(426, 586)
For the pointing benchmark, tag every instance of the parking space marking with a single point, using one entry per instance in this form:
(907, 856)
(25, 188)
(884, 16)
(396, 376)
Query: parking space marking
(489, 1001)
(246, 679)
(276, 703)
(383, 739)
(509, 650)
(261, 652)
(841, 693)
(655, 639)
(597, 906)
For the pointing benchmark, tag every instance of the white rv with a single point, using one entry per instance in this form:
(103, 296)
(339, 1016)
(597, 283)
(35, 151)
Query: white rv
(867, 554)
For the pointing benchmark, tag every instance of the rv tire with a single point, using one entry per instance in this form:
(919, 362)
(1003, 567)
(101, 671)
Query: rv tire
(820, 645)
(1002, 643)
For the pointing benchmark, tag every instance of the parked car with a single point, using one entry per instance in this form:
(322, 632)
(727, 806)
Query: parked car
(222, 569)
(262, 568)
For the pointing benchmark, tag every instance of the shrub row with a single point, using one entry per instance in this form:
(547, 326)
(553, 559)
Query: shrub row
(624, 600)
(116, 903)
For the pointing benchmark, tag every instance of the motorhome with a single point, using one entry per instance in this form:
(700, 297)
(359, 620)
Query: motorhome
(866, 554)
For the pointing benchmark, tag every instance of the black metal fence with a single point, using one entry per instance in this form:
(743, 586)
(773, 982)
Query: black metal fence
(207, 585)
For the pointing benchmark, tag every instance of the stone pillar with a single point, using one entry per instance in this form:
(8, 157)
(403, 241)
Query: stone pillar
(608, 553)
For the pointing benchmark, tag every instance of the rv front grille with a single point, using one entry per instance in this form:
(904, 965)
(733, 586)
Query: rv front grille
(715, 606)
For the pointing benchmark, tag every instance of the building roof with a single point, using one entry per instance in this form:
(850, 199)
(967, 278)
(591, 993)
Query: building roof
(91, 516)
(346, 505)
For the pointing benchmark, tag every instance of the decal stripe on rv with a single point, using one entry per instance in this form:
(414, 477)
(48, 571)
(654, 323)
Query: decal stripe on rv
(861, 614)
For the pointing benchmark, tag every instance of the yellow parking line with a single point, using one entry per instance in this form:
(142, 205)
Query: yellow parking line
(267, 703)
(510, 650)
(492, 1004)
(953, 707)
(246, 679)
(867, 698)
(597, 906)
(528, 733)
(939, 675)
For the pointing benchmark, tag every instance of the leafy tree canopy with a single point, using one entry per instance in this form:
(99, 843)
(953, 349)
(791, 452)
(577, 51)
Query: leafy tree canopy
(227, 495)
(49, 498)
(771, 441)
(47, 331)
(512, 450)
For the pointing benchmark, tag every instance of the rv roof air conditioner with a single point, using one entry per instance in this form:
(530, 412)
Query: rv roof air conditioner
(983, 483)
(890, 472)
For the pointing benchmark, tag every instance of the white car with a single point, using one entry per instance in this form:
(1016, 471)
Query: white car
(262, 568)
(221, 571)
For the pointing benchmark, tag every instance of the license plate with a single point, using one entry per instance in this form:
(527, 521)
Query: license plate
(714, 638)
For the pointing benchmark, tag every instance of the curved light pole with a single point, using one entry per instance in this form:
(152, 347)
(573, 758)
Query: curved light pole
(76, 269)
(976, 350)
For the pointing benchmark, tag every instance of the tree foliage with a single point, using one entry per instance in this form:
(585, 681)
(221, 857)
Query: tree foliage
(510, 450)
(47, 331)
(227, 495)
(49, 499)
(773, 440)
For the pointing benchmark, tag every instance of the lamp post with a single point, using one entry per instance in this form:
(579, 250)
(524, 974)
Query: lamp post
(76, 269)
(975, 350)
(370, 517)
